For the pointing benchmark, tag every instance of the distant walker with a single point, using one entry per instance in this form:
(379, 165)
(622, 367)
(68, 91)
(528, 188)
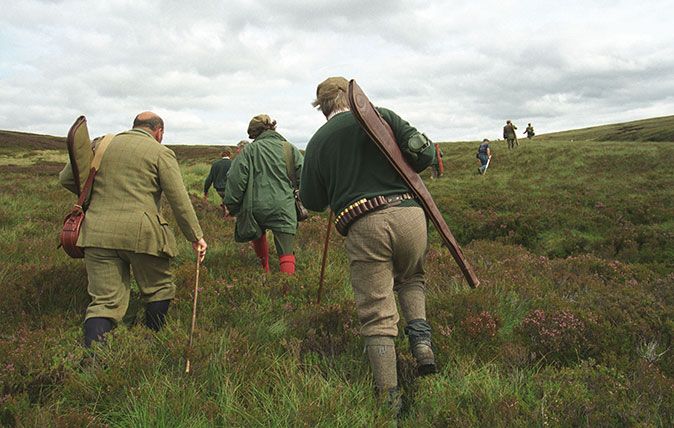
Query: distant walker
(484, 156)
(509, 134)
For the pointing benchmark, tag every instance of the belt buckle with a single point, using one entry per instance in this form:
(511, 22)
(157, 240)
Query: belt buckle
(394, 200)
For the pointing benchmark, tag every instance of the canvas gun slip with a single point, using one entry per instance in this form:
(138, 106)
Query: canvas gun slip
(381, 133)
(84, 165)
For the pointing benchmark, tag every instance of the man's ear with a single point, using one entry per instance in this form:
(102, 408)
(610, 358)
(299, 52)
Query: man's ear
(158, 134)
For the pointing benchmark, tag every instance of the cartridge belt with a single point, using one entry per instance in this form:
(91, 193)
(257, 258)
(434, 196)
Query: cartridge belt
(358, 209)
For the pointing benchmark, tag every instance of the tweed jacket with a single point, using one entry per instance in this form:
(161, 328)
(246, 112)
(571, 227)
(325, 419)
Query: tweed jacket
(124, 210)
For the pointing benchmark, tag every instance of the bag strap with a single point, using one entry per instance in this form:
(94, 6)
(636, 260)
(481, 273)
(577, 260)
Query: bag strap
(290, 163)
(101, 147)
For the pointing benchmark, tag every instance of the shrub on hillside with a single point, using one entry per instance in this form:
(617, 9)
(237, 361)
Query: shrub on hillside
(326, 329)
(480, 326)
(595, 395)
(558, 336)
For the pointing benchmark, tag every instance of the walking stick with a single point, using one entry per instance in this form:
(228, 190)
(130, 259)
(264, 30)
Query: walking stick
(194, 314)
(325, 258)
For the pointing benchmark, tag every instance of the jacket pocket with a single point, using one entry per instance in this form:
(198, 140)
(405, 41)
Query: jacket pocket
(169, 245)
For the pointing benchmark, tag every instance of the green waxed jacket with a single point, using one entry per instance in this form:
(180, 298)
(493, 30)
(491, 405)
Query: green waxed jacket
(124, 210)
(342, 164)
(262, 161)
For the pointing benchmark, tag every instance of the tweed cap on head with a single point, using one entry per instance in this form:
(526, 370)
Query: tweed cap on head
(329, 89)
(259, 124)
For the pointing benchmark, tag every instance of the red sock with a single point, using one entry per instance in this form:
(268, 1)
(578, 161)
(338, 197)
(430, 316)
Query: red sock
(287, 262)
(262, 251)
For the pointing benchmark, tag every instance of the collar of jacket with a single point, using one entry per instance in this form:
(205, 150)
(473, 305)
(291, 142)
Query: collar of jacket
(142, 131)
(336, 112)
(270, 133)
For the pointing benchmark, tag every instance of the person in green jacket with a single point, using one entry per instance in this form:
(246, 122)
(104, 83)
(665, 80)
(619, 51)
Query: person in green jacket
(509, 134)
(258, 182)
(124, 228)
(530, 132)
(217, 177)
(385, 227)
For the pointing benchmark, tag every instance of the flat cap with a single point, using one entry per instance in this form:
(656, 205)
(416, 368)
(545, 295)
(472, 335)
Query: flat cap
(259, 124)
(329, 89)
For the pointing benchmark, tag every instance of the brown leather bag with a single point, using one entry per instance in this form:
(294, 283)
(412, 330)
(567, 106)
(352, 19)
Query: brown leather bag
(70, 232)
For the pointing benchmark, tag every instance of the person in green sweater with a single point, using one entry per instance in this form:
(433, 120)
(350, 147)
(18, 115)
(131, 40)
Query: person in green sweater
(217, 177)
(258, 182)
(385, 227)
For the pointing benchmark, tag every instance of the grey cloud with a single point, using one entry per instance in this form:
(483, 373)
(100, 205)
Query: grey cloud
(455, 69)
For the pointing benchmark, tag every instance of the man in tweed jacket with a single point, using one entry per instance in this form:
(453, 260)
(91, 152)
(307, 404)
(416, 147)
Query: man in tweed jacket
(124, 228)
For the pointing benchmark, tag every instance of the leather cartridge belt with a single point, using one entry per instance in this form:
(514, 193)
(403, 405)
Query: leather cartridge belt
(358, 209)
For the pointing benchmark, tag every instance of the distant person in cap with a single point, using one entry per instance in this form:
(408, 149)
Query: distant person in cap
(258, 192)
(483, 156)
(217, 177)
(384, 225)
(530, 132)
(509, 134)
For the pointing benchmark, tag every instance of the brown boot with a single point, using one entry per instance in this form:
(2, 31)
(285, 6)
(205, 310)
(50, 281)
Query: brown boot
(423, 353)
(419, 333)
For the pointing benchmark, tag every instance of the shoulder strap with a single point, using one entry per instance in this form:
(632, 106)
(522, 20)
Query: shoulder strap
(290, 163)
(95, 164)
(100, 149)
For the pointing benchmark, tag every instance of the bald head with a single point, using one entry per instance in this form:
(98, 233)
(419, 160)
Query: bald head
(148, 120)
(152, 122)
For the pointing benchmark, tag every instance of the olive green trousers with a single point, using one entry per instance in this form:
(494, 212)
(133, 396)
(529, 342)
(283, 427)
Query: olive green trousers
(109, 275)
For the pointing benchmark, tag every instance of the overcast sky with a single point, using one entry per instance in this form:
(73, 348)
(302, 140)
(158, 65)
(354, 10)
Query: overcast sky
(456, 70)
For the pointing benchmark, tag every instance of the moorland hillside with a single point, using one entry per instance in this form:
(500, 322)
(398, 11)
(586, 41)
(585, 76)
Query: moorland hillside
(572, 325)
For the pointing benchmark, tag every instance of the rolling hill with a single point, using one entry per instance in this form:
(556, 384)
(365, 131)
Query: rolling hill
(572, 325)
(653, 129)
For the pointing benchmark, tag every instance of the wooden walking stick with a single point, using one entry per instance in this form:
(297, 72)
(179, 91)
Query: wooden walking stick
(194, 314)
(325, 257)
